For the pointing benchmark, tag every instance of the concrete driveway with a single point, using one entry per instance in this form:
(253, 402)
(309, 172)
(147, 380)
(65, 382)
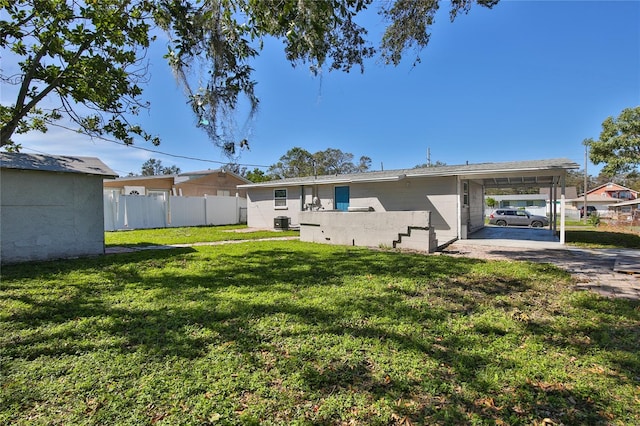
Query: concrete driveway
(515, 236)
(609, 272)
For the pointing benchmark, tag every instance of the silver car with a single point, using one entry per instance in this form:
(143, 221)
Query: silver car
(516, 217)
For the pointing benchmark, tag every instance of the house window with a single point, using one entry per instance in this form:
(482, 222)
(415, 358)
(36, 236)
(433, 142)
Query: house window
(465, 193)
(157, 194)
(223, 193)
(280, 198)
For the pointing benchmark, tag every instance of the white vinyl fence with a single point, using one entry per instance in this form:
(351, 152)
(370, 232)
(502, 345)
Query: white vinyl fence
(140, 212)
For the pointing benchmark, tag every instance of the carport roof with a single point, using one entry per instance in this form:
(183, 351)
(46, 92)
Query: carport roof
(55, 163)
(493, 175)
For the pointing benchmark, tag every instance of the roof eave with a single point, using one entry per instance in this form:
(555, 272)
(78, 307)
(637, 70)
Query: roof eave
(280, 183)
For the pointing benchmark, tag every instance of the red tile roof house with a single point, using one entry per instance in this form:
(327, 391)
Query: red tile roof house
(422, 208)
(51, 207)
(604, 196)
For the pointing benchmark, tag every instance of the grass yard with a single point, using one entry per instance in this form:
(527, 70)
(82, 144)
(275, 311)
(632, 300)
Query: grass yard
(603, 236)
(285, 332)
(189, 235)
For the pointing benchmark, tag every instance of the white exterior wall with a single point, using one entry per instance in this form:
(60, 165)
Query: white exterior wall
(261, 210)
(438, 195)
(47, 215)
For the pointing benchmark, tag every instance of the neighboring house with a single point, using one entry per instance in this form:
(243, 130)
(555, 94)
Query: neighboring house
(626, 211)
(50, 206)
(195, 184)
(440, 204)
(604, 196)
(539, 204)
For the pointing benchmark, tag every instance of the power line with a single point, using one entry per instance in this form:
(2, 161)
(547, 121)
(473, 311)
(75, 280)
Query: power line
(153, 150)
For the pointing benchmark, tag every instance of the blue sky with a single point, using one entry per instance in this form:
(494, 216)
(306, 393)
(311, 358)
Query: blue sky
(523, 81)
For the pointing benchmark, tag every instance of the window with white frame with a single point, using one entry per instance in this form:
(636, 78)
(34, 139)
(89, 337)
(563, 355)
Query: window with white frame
(280, 198)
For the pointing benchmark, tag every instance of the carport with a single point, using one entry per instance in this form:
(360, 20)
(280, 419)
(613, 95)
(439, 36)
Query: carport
(505, 236)
(538, 174)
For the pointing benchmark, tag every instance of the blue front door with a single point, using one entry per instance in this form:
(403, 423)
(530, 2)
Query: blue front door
(342, 198)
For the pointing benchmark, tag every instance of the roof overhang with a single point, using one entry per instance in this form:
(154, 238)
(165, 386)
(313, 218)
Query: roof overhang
(519, 179)
(493, 175)
(339, 179)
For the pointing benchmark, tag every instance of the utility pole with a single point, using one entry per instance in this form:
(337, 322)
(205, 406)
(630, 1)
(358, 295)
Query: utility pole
(586, 152)
(428, 157)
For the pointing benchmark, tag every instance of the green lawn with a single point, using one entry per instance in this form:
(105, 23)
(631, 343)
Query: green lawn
(189, 235)
(285, 332)
(596, 238)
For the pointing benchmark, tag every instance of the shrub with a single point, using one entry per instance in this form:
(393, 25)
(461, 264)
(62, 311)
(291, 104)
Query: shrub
(593, 219)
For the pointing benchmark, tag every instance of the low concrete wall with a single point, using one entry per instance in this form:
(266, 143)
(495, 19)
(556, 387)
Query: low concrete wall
(369, 229)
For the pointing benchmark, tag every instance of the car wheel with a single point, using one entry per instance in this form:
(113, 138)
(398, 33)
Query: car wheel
(501, 222)
(536, 224)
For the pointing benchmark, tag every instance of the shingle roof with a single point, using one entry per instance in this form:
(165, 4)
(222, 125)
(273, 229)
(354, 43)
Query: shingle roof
(55, 163)
(135, 178)
(390, 175)
(183, 177)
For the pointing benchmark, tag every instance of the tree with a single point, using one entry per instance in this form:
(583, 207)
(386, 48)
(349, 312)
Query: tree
(619, 144)
(219, 38)
(364, 164)
(153, 167)
(299, 162)
(576, 178)
(436, 164)
(87, 55)
(257, 175)
(296, 162)
(490, 202)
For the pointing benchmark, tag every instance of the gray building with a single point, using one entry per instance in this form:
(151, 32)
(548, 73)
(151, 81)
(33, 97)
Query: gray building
(51, 206)
(390, 207)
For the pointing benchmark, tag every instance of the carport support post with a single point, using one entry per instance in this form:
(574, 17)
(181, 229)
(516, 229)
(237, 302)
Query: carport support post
(562, 218)
(552, 207)
(555, 207)
(563, 183)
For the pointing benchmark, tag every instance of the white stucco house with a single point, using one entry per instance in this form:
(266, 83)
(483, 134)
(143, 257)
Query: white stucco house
(422, 208)
(51, 207)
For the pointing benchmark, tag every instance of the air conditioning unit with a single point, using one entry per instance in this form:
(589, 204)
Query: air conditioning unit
(135, 190)
(281, 222)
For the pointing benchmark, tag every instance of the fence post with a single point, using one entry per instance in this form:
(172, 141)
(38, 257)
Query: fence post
(206, 219)
(126, 218)
(169, 211)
